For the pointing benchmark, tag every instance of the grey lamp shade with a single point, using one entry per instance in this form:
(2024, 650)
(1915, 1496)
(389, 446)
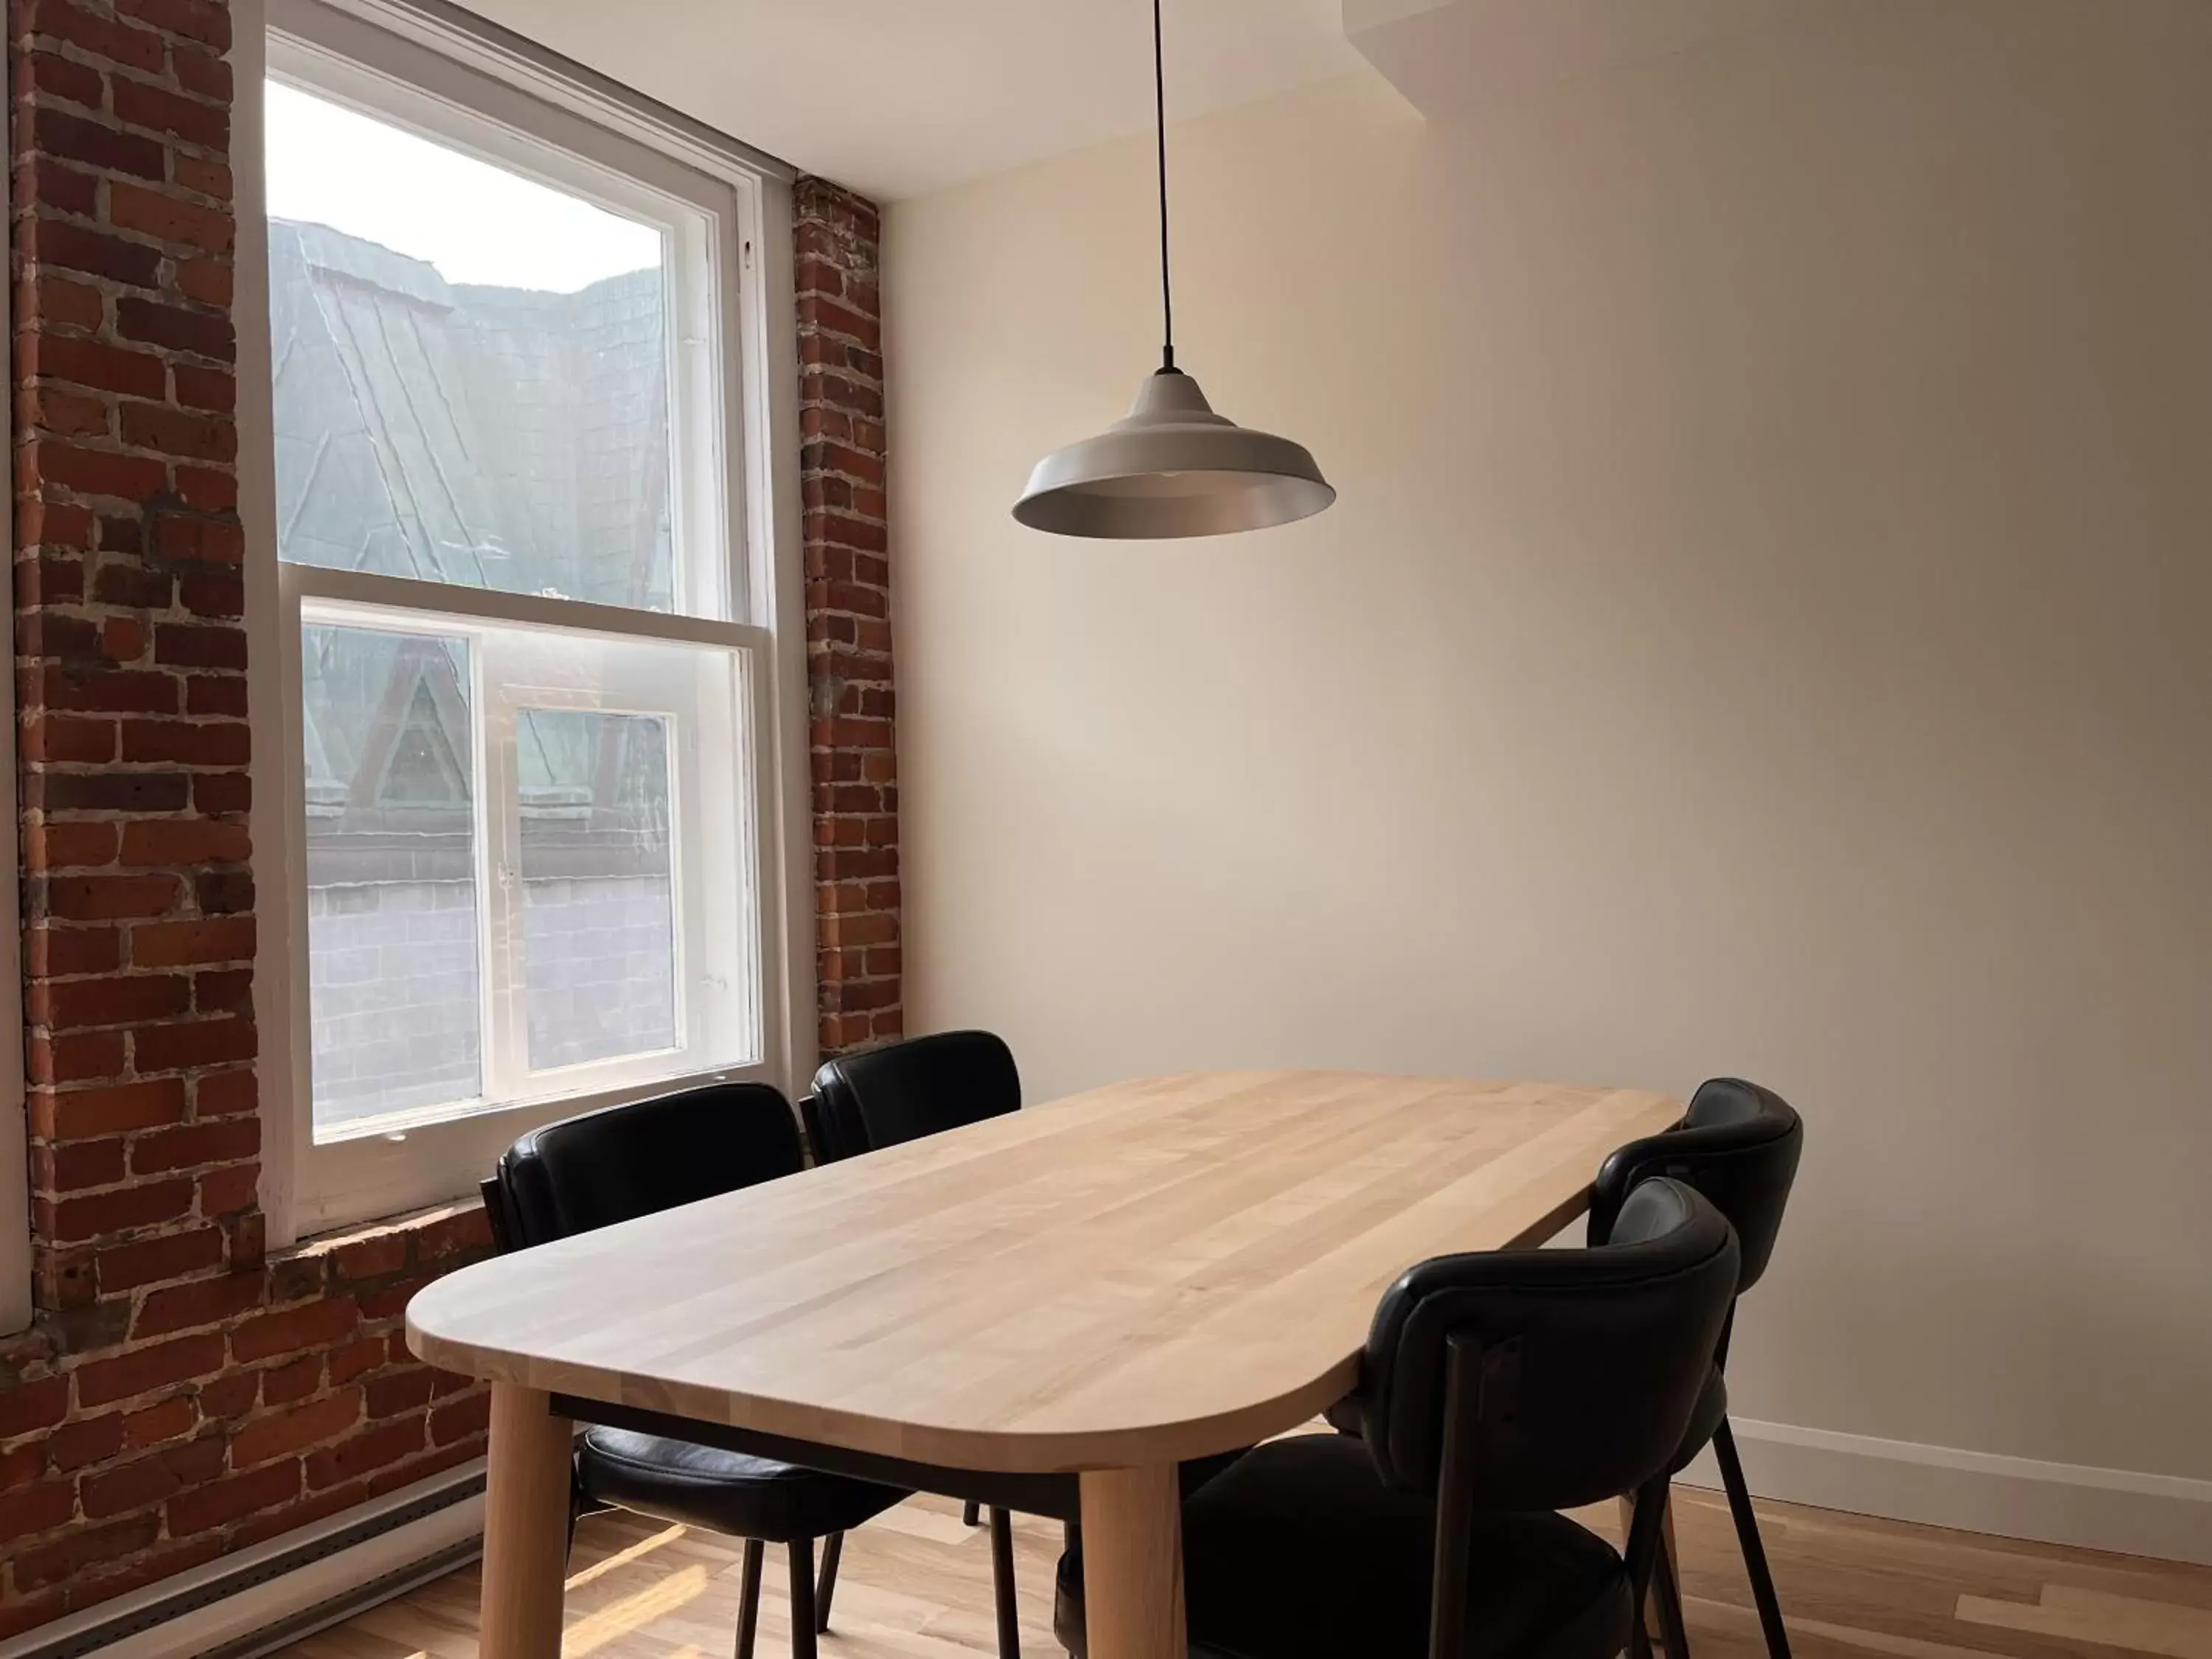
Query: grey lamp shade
(1172, 467)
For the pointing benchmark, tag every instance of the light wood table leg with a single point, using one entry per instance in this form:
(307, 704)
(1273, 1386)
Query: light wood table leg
(526, 1554)
(1133, 1563)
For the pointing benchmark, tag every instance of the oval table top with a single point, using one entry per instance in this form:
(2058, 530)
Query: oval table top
(1151, 1272)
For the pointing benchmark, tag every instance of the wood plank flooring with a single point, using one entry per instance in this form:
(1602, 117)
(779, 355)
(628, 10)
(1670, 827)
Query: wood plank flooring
(916, 1584)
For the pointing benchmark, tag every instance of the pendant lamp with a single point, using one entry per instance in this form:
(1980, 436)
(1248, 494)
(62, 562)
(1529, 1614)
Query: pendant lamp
(1171, 467)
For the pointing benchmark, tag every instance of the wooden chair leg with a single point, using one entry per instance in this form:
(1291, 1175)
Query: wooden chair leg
(802, 1599)
(1747, 1536)
(1666, 1590)
(1002, 1585)
(748, 1596)
(826, 1586)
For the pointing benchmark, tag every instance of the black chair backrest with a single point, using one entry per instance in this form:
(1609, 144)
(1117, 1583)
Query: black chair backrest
(1585, 1363)
(904, 1091)
(622, 1161)
(1739, 1146)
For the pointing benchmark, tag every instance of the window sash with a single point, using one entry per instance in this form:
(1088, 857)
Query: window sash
(717, 810)
(746, 199)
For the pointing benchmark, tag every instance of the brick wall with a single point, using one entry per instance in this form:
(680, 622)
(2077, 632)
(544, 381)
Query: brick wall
(180, 1395)
(183, 1394)
(849, 631)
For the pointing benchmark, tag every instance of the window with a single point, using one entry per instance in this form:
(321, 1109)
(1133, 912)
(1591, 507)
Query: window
(526, 692)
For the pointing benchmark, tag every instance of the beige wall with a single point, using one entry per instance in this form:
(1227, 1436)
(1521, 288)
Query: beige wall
(1764, 630)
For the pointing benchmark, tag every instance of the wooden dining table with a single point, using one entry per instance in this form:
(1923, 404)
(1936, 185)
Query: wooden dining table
(1105, 1285)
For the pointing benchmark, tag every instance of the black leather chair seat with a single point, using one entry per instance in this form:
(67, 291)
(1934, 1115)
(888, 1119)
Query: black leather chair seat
(1300, 1552)
(723, 1492)
(1705, 1420)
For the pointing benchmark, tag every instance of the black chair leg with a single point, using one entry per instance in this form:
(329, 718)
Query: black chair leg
(1002, 1585)
(748, 1595)
(802, 1599)
(971, 1514)
(1668, 1589)
(1747, 1535)
(826, 1586)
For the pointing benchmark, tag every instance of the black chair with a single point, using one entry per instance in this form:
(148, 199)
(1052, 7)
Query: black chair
(904, 1091)
(629, 1161)
(1739, 1147)
(1496, 1389)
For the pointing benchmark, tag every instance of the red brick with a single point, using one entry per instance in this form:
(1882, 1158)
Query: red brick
(31, 1510)
(459, 1419)
(183, 944)
(59, 950)
(67, 737)
(120, 1001)
(57, 303)
(139, 1570)
(225, 1192)
(217, 540)
(226, 1141)
(210, 178)
(94, 141)
(205, 73)
(349, 1362)
(156, 213)
(156, 1424)
(221, 1094)
(94, 471)
(23, 1465)
(208, 281)
(182, 432)
(216, 592)
(286, 1330)
(295, 1431)
(113, 39)
(143, 1370)
(465, 1232)
(107, 792)
(230, 1395)
(294, 1380)
(71, 414)
(29, 1406)
(205, 20)
(76, 1057)
(80, 1220)
(225, 1501)
(203, 1302)
(75, 1552)
(155, 323)
(376, 1256)
(401, 1391)
(79, 1165)
(151, 1261)
(150, 1479)
(87, 1114)
(213, 389)
(209, 489)
(87, 1441)
(372, 1450)
(195, 743)
(154, 842)
(193, 1043)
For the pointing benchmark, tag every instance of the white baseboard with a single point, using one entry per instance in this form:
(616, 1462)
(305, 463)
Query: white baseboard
(199, 1611)
(2166, 1515)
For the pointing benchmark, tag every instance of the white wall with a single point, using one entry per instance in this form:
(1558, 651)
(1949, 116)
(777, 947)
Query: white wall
(1764, 630)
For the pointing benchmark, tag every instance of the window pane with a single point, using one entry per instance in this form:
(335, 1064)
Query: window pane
(599, 936)
(471, 367)
(393, 933)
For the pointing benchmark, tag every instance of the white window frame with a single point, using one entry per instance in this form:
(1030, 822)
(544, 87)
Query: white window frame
(465, 82)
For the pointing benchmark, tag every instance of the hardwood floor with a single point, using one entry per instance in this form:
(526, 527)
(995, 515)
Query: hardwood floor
(916, 1584)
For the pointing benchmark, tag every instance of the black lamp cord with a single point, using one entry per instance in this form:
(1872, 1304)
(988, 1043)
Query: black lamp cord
(1160, 123)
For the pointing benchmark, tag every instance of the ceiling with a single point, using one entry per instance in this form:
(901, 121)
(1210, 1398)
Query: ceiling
(899, 97)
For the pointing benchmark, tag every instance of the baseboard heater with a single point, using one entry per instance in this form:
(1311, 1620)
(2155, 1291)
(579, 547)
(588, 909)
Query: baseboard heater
(260, 1599)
